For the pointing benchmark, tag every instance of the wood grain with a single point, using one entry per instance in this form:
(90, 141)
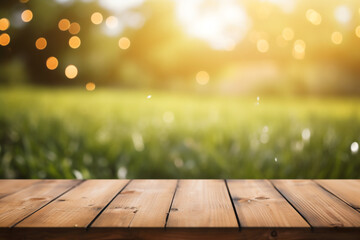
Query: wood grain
(347, 190)
(259, 204)
(320, 208)
(19, 205)
(143, 203)
(78, 207)
(202, 203)
(9, 186)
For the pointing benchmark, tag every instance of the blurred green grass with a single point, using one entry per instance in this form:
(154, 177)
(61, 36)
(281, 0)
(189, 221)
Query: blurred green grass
(68, 133)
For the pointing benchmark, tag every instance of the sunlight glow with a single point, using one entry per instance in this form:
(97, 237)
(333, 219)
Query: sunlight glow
(52, 63)
(27, 15)
(299, 49)
(4, 24)
(343, 14)
(354, 147)
(41, 43)
(71, 71)
(357, 31)
(221, 24)
(112, 22)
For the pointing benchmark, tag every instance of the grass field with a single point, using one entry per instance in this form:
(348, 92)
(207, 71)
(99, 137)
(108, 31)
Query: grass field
(68, 133)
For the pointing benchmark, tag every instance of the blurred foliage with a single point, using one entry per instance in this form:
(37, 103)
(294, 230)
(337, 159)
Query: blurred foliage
(163, 55)
(110, 134)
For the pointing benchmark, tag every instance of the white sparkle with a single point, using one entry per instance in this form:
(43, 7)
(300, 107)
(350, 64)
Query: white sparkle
(354, 147)
(149, 96)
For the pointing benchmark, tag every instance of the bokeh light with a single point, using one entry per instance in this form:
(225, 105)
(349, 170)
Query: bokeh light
(202, 77)
(112, 22)
(52, 63)
(4, 24)
(74, 28)
(124, 43)
(71, 71)
(336, 38)
(288, 34)
(313, 16)
(4, 39)
(299, 49)
(64, 24)
(74, 42)
(90, 86)
(27, 15)
(96, 18)
(357, 31)
(41, 43)
(262, 45)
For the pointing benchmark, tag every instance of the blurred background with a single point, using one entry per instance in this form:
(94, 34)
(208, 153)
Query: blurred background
(179, 89)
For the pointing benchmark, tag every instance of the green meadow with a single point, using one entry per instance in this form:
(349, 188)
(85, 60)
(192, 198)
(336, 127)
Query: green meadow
(72, 133)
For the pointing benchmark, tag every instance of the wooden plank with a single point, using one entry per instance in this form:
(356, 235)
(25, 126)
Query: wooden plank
(347, 190)
(202, 203)
(19, 205)
(143, 203)
(10, 186)
(259, 204)
(320, 208)
(76, 208)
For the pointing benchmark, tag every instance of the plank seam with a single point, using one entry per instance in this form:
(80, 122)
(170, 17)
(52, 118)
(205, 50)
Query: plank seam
(103, 209)
(171, 203)
(52, 200)
(233, 204)
(333, 194)
(292, 205)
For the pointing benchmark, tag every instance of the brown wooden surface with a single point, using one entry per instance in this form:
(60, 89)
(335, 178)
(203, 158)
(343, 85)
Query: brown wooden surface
(179, 209)
(8, 187)
(143, 203)
(258, 204)
(17, 206)
(347, 190)
(202, 203)
(76, 208)
(320, 208)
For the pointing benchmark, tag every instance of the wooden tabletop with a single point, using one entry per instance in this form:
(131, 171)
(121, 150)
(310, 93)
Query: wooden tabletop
(179, 209)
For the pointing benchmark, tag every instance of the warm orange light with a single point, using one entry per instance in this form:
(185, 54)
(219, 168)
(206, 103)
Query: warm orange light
(262, 45)
(96, 18)
(357, 31)
(71, 72)
(4, 39)
(64, 24)
(288, 34)
(90, 86)
(74, 42)
(52, 63)
(27, 15)
(41, 43)
(124, 43)
(4, 24)
(336, 38)
(74, 28)
(202, 77)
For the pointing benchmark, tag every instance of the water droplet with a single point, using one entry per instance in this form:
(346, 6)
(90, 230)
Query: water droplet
(354, 147)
